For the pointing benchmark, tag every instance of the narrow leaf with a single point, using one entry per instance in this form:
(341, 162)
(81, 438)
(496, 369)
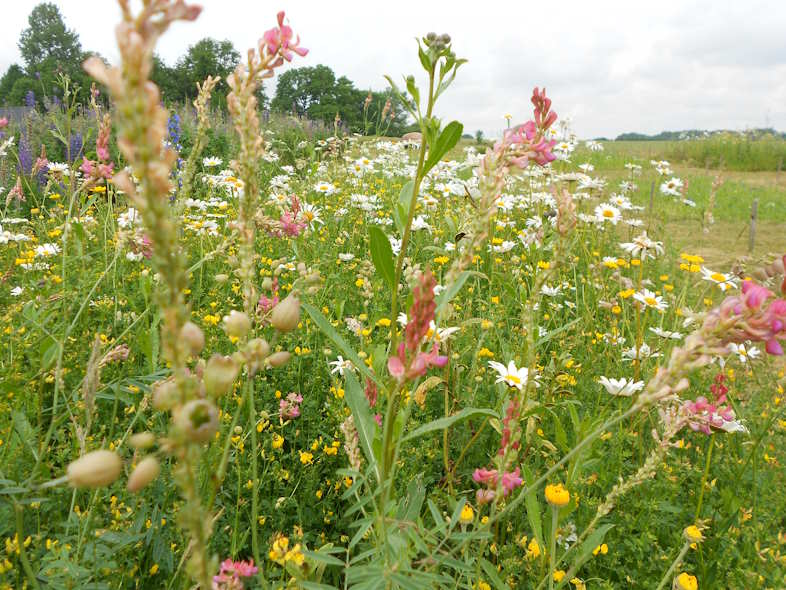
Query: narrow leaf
(447, 422)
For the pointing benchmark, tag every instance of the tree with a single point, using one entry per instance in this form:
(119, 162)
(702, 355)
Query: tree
(316, 93)
(47, 37)
(12, 74)
(307, 91)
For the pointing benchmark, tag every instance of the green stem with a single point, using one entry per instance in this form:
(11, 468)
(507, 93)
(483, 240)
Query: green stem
(704, 476)
(553, 546)
(674, 565)
(20, 540)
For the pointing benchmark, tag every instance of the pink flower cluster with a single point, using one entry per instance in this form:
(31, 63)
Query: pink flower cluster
(290, 226)
(758, 318)
(3, 122)
(266, 303)
(279, 41)
(410, 361)
(229, 577)
(509, 481)
(705, 416)
(527, 142)
(289, 407)
(96, 170)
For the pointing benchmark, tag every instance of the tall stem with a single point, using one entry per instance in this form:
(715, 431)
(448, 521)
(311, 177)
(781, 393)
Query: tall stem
(704, 476)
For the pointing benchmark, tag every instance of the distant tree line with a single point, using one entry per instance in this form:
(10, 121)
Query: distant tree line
(761, 133)
(49, 48)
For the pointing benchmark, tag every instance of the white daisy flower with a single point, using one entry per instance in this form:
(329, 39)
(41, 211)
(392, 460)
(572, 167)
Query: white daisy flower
(621, 387)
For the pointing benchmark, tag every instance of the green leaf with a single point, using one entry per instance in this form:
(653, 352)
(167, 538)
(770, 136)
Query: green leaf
(493, 575)
(329, 331)
(444, 143)
(405, 196)
(447, 422)
(585, 550)
(315, 585)
(322, 558)
(382, 255)
(448, 294)
(364, 421)
(533, 508)
(50, 352)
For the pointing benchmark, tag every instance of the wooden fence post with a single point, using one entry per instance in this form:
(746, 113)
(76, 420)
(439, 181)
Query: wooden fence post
(752, 235)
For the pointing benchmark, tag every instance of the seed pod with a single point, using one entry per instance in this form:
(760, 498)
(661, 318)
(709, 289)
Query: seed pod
(192, 336)
(219, 375)
(222, 278)
(286, 315)
(197, 420)
(147, 470)
(257, 350)
(164, 395)
(278, 359)
(94, 470)
(142, 440)
(237, 324)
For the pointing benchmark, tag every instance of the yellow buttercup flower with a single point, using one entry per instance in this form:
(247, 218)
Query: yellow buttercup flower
(686, 582)
(557, 495)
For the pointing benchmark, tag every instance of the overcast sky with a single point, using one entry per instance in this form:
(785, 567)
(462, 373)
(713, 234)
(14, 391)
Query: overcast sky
(611, 66)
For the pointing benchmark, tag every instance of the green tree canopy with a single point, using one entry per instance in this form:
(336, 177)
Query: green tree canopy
(316, 93)
(47, 37)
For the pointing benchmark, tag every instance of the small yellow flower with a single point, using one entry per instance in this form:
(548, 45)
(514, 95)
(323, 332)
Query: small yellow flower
(467, 514)
(686, 582)
(278, 441)
(558, 575)
(557, 495)
(693, 534)
(533, 549)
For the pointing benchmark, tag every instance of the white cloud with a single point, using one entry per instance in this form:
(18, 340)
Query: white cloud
(614, 66)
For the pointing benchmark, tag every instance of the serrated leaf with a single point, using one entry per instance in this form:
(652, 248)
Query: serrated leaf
(382, 255)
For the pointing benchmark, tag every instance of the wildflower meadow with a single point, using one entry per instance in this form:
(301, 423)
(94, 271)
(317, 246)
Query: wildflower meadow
(241, 350)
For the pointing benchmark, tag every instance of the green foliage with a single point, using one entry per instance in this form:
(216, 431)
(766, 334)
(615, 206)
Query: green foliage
(316, 93)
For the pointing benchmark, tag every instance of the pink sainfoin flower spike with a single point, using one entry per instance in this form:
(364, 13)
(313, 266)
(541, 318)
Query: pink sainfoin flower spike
(753, 317)
(229, 577)
(279, 40)
(3, 122)
(410, 361)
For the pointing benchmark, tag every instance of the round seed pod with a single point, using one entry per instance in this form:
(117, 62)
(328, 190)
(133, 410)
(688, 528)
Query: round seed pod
(286, 315)
(197, 420)
(142, 440)
(219, 375)
(192, 336)
(279, 359)
(147, 470)
(94, 470)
